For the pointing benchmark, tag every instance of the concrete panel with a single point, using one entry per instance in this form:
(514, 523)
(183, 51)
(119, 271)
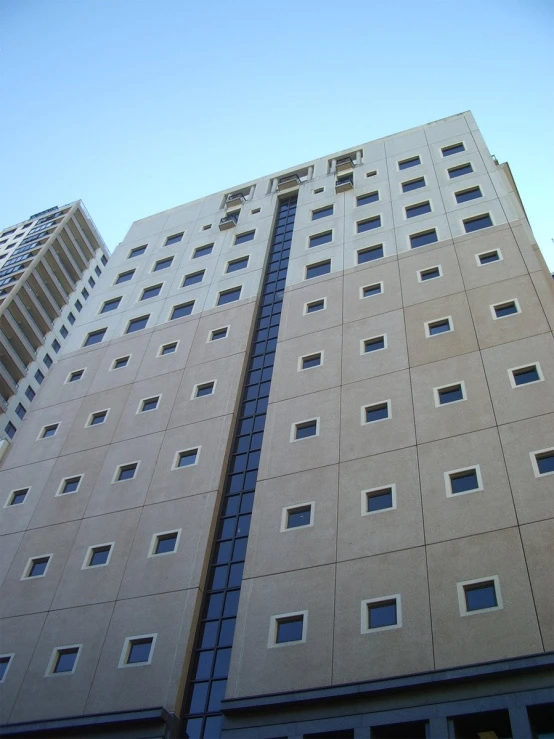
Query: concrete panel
(498, 238)
(538, 545)
(154, 365)
(9, 544)
(106, 376)
(545, 291)
(356, 306)
(55, 388)
(414, 290)
(32, 476)
(448, 129)
(294, 319)
(239, 321)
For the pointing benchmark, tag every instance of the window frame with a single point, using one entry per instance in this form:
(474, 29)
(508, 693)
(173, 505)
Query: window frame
(54, 658)
(377, 218)
(329, 232)
(9, 656)
(423, 233)
(199, 385)
(461, 590)
(458, 167)
(409, 182)
(161, 261)
(140, 409)
(69, 381)
(473, 188)
(408, 164)
(374, 284)
(126, 650)
(473, 219)
(102, 310)
(302, 357)
(119, 469)
(274, 621)
(177, 457)
(60, 491)
(178, 237)
(136, 319)
(369, 250)
(92, 415)
(284, 516)
(428, 326)
(200, 272)
(363, 342)
(367, 195)
(364, 612)
(12, 493)
(304, 422)
(28, 567)
(195, 254)
(322, 262)
(380, 488)
(229, 291)
(320, 210)
(188, 303)
(221, 338)
(45, 428)
(306, 312)
(155, 539)
(420, 273)
(117, 359)
(246, 258)
(98, 332)
(450, 385)
(169, 343)
(90, 551)
(503, 304)
(364, 408)
(137, 251)
(453, 146)
(157, 287)
(448, 481)
(534, 463)
(486, 253)
(511, 371)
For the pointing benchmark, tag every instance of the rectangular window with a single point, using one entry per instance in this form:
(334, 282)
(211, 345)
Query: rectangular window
(37, 566)
(543, 462)
(376, 412)
(165, 543)
(296, 517)
(49, 431)
(370, 290)
(378, 499)
(452, 149)
(30, 393)
(95, 337)
(71, 318)
(104, 259)
(76, 375)
(380, 614)
(120, 362)
(166, 349)
(471, 194)
(488, 257)
(39, 377)
(137, 324)
(369, 197)
(244, 237)
(371, 174)
(479, 595)
(69, 485)
(5, 661)
(319, 239)
(318, 269)
(84, 293)
(65, 660)
(78, 305)
(98, 556)
(501, 310)
(370, 254)
(418, 210)
(440, 326)
(110, 305)
(194, 278)
(136, 252)
(459, 171)
(218, 333)
(305, 429)
(322, 212)
(229, 296)
(314, 306)
(466, 480)
(525, 375)
(17, 497)
(429, 274)
(407, 163)
(97, 418)
(236, 264)
(180, 311)
(288, 628)
(137, 651)
(206, 388)
(423, 238)
(477, 223)
(149, 404)
(173, 239)
(20, 411)
(163, 264)
(98, 271)
(187, 458)
(124, 277)
(126, 471)
(47, 360)
(63, 332)
(413, 184)
(151, 292)
(91, 282)
(369, 224)
(449, 394)
(202, 251)
(10, 430)
(374, 344)
(312, 360)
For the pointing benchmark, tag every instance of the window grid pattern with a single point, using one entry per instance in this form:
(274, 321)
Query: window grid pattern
(208, 676)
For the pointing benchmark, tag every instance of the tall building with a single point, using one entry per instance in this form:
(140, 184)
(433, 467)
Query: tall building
(48, 265)
(292, 473)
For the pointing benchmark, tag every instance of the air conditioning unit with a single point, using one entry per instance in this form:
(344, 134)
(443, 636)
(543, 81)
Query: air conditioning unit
(344, 164)
(234, 198)
(228, 221)
(288, 182)
(344, 183)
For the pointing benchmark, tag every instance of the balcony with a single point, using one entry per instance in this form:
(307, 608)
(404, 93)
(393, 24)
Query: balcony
(345, 164)
(229, 221)
(289, 182)
(342, 184)
(234, 199)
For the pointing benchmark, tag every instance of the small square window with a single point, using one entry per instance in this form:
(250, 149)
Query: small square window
(244, 237)
(452, 149)
(180, 311)
(206, 227)
(200, 391)
(98, 271)
(37, 566)
(525, 375)
(69, 485)
(459, 171)
(229, 296)
(39, 377)
(20, 411)
(173, 239)
(17, 497)
(30, 393)
(322, 213)
(149, 404)
(78, 305)
(502, 310)
(318, 269)
(440, 326)
(288, 628)
(423, 238)
(218, 333)
(166, 349)
(378, 499)
(413, 184)
(151, 292)
(376, 412)
(49, 431)
(471, 194)
(371, 174)
(305, 429)
(370, 254)
(98, 556)
(319, 239)
(429, 274)
(76, 375)
(137, 324)
(91, 282)
(64, 332)
(162, 264)
(449, 394)
(255, 210)
(312, 360)
(370, 290)
(381, 614)
(463, 481)
(124, 277)
(71, 318)
(104, 259)
(65, 660)
(138, 650)
(165, 543)
(5, 661)
(136, 252)
(237, 264)
(95, 337)
(543, 462)
(479, 595)
(187, 458)
(194, 278)
(314, 306)
(297, 517)
(418, 210)
(369, 224)
(126, 471)
(97, 418)
(369, 197)
(407, 163)
(318, 190)
(488, 257)
(374, 344)
(110, 305)
(47, 360)
(10, 430)
(477, 223)
(120, 362)
(202, 251)
(84, 293)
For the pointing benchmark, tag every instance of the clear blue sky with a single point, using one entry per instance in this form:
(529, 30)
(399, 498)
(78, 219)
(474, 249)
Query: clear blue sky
(136, 106)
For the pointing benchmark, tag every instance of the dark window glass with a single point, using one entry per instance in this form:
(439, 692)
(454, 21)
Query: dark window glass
(379, 500)
(120, 362)
(151, 292)
(84, 293)
(125, 277)
(99, 556)
(39, 377)
(38, 566)
(110, 305)
(506, 309)
(322, 212)
(150, 404)
(471, 194)
(237, 264)
(206, 389)
(18, 496)
(203, 251)
(179, 311)
(10, 430)
(65, 660)
(315, 306)
(76, 376)
(71, 318)
(47, 360)
(491, 256)
(193, 279)
(319, 239)
(300, 516)
(91, 281)
(368, 255)
(479, 596)
(20, 410)
(163, 264)
(95, 337)
(315, 270)
(376, 412)
(371, 290)
(63, 332)
(187, 458)
(439, 327)
(381, 614)
(373, 345)
(139, 651)
(218, 333)
(526, 374)
(459, 171)
(98, 418)
(418, 210)
(78, 305)
(454, 149)
(407, 163)
(312, 361)
(370, 197)
(303, 430)
(137, 324)
(545, 462)
(461, 482)
(413, 184)
(289, 629)
(229, 296)
(166, 543)
(429, 274)
(168, 349)
(136, 252)
(127, 471)
(70, 485)
(104, 259)
(423, 238)
(98, 271)
(450, 394)
(477, 223)
(173, 239)
(49, 431)
(243, 238)
(369, 224)
(30, 393)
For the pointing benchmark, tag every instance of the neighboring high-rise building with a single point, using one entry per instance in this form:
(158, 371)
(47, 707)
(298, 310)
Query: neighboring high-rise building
(292, 474)
(48, 265)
